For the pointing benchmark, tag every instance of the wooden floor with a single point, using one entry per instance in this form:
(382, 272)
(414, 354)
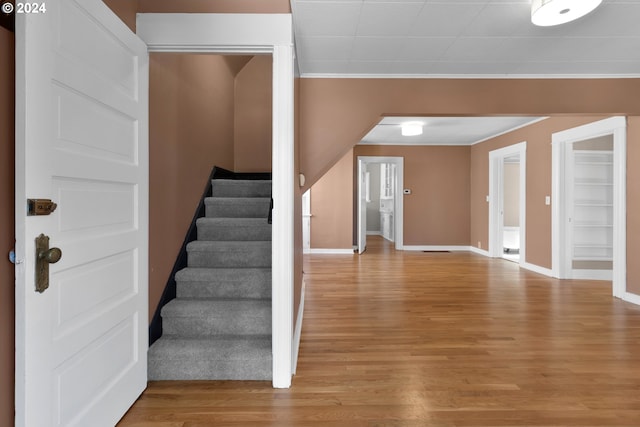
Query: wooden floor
(408, 339)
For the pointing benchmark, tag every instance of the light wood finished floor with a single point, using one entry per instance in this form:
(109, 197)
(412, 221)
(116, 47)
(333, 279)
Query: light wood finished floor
(408, 339)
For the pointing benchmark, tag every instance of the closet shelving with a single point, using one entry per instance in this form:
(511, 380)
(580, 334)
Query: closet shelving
(593, 205)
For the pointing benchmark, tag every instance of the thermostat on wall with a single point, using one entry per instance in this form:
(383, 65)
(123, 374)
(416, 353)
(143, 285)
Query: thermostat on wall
(406, 191)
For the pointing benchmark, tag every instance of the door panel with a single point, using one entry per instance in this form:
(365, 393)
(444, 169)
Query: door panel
(81, 132)
(362, 206)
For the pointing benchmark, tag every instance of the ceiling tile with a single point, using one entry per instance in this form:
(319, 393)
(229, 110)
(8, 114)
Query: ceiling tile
(445, 19)
(326, 18)
(324, 48)
(424, 48)
(387, 19)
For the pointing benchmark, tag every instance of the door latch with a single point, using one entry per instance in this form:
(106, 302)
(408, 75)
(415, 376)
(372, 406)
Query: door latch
(40, 207)
(44, 257)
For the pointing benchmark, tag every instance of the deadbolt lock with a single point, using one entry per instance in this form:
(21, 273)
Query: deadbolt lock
(44, 257)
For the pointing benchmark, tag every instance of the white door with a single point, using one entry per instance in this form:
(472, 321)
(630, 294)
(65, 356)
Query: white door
(81, 141)
(306, 220)
(362, 206)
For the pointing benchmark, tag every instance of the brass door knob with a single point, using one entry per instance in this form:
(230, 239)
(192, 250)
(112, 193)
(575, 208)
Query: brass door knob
(51, 256)
(44, 257)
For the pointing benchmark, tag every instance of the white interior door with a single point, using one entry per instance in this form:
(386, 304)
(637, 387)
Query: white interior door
(306, 220)
(81, 141)
(362, 206)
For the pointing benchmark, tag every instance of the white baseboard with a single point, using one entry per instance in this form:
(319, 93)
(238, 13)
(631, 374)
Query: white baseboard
(374, 233)
(295, 347)
(632, 298)
(537, 269)
(479, 251)
(329, 251)
(435, 248)
(592, 274)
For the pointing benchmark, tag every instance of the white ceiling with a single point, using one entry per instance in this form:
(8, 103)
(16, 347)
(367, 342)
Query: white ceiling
(479, 38)
(444, 130)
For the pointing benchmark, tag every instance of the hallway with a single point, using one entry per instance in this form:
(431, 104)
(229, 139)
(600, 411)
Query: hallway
(433, 339)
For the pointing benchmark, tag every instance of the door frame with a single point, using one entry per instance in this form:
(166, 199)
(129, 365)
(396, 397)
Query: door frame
(496, 198)
(252, 34)
(398, 205)
(616, 126)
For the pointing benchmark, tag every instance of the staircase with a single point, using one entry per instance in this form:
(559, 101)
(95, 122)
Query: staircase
(219, 325)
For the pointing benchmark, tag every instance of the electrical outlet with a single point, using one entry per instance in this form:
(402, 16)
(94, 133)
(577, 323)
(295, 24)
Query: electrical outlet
(479, 244)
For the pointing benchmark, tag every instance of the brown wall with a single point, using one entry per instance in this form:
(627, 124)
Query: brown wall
(214, 6)
(633, 205)
(191, 130)
(7, 225)
(252, 117)
(336, 113)
(538, 215)
(437, 210)
(126, 11)
(332, 207)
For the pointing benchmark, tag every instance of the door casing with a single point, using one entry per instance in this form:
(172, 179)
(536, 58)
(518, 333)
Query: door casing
(496, 196)
(616, 126)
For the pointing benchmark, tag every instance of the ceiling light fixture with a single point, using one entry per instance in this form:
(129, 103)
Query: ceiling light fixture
(411, 129)
(546, 13)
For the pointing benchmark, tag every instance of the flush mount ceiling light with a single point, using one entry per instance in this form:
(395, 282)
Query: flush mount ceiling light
(411, 128)
(546, 13)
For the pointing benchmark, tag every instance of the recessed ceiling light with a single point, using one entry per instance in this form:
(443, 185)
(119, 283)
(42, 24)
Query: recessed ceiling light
(546, 13)
(411, 129)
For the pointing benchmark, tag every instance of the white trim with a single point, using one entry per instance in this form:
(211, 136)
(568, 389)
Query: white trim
(253, 34)
(323, 251)
(374, 233)
(283, 182)
(297, 334)
(532, 122)
(479, 251)
(398, 209)
(537, 269)
(467, 76)
(631, 298)
(496, 160)
(224, 32)
(436, 248)
(584, 274)
(614, 125)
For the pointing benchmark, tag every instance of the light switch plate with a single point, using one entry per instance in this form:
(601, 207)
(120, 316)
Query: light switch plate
(547, 200)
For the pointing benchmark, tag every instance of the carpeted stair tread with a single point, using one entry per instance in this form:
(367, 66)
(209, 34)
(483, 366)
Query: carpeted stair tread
(252, 283)
(240, 188)
(228, 229)
(222, 358)
(229, 254)
(206, 317)
(237, 207)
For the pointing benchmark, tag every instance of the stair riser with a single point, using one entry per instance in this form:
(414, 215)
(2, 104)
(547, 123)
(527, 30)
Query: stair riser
(236, 233)
(199, 369)
(261, 290)
(234, 324)
(225, 188)
(250, 257)
(241, 208)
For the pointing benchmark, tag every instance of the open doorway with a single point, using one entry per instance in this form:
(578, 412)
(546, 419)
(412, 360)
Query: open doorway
(507, 202)
(380, 203)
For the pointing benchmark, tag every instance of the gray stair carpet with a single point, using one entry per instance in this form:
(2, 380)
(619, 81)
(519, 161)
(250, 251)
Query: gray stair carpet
(219, 325)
